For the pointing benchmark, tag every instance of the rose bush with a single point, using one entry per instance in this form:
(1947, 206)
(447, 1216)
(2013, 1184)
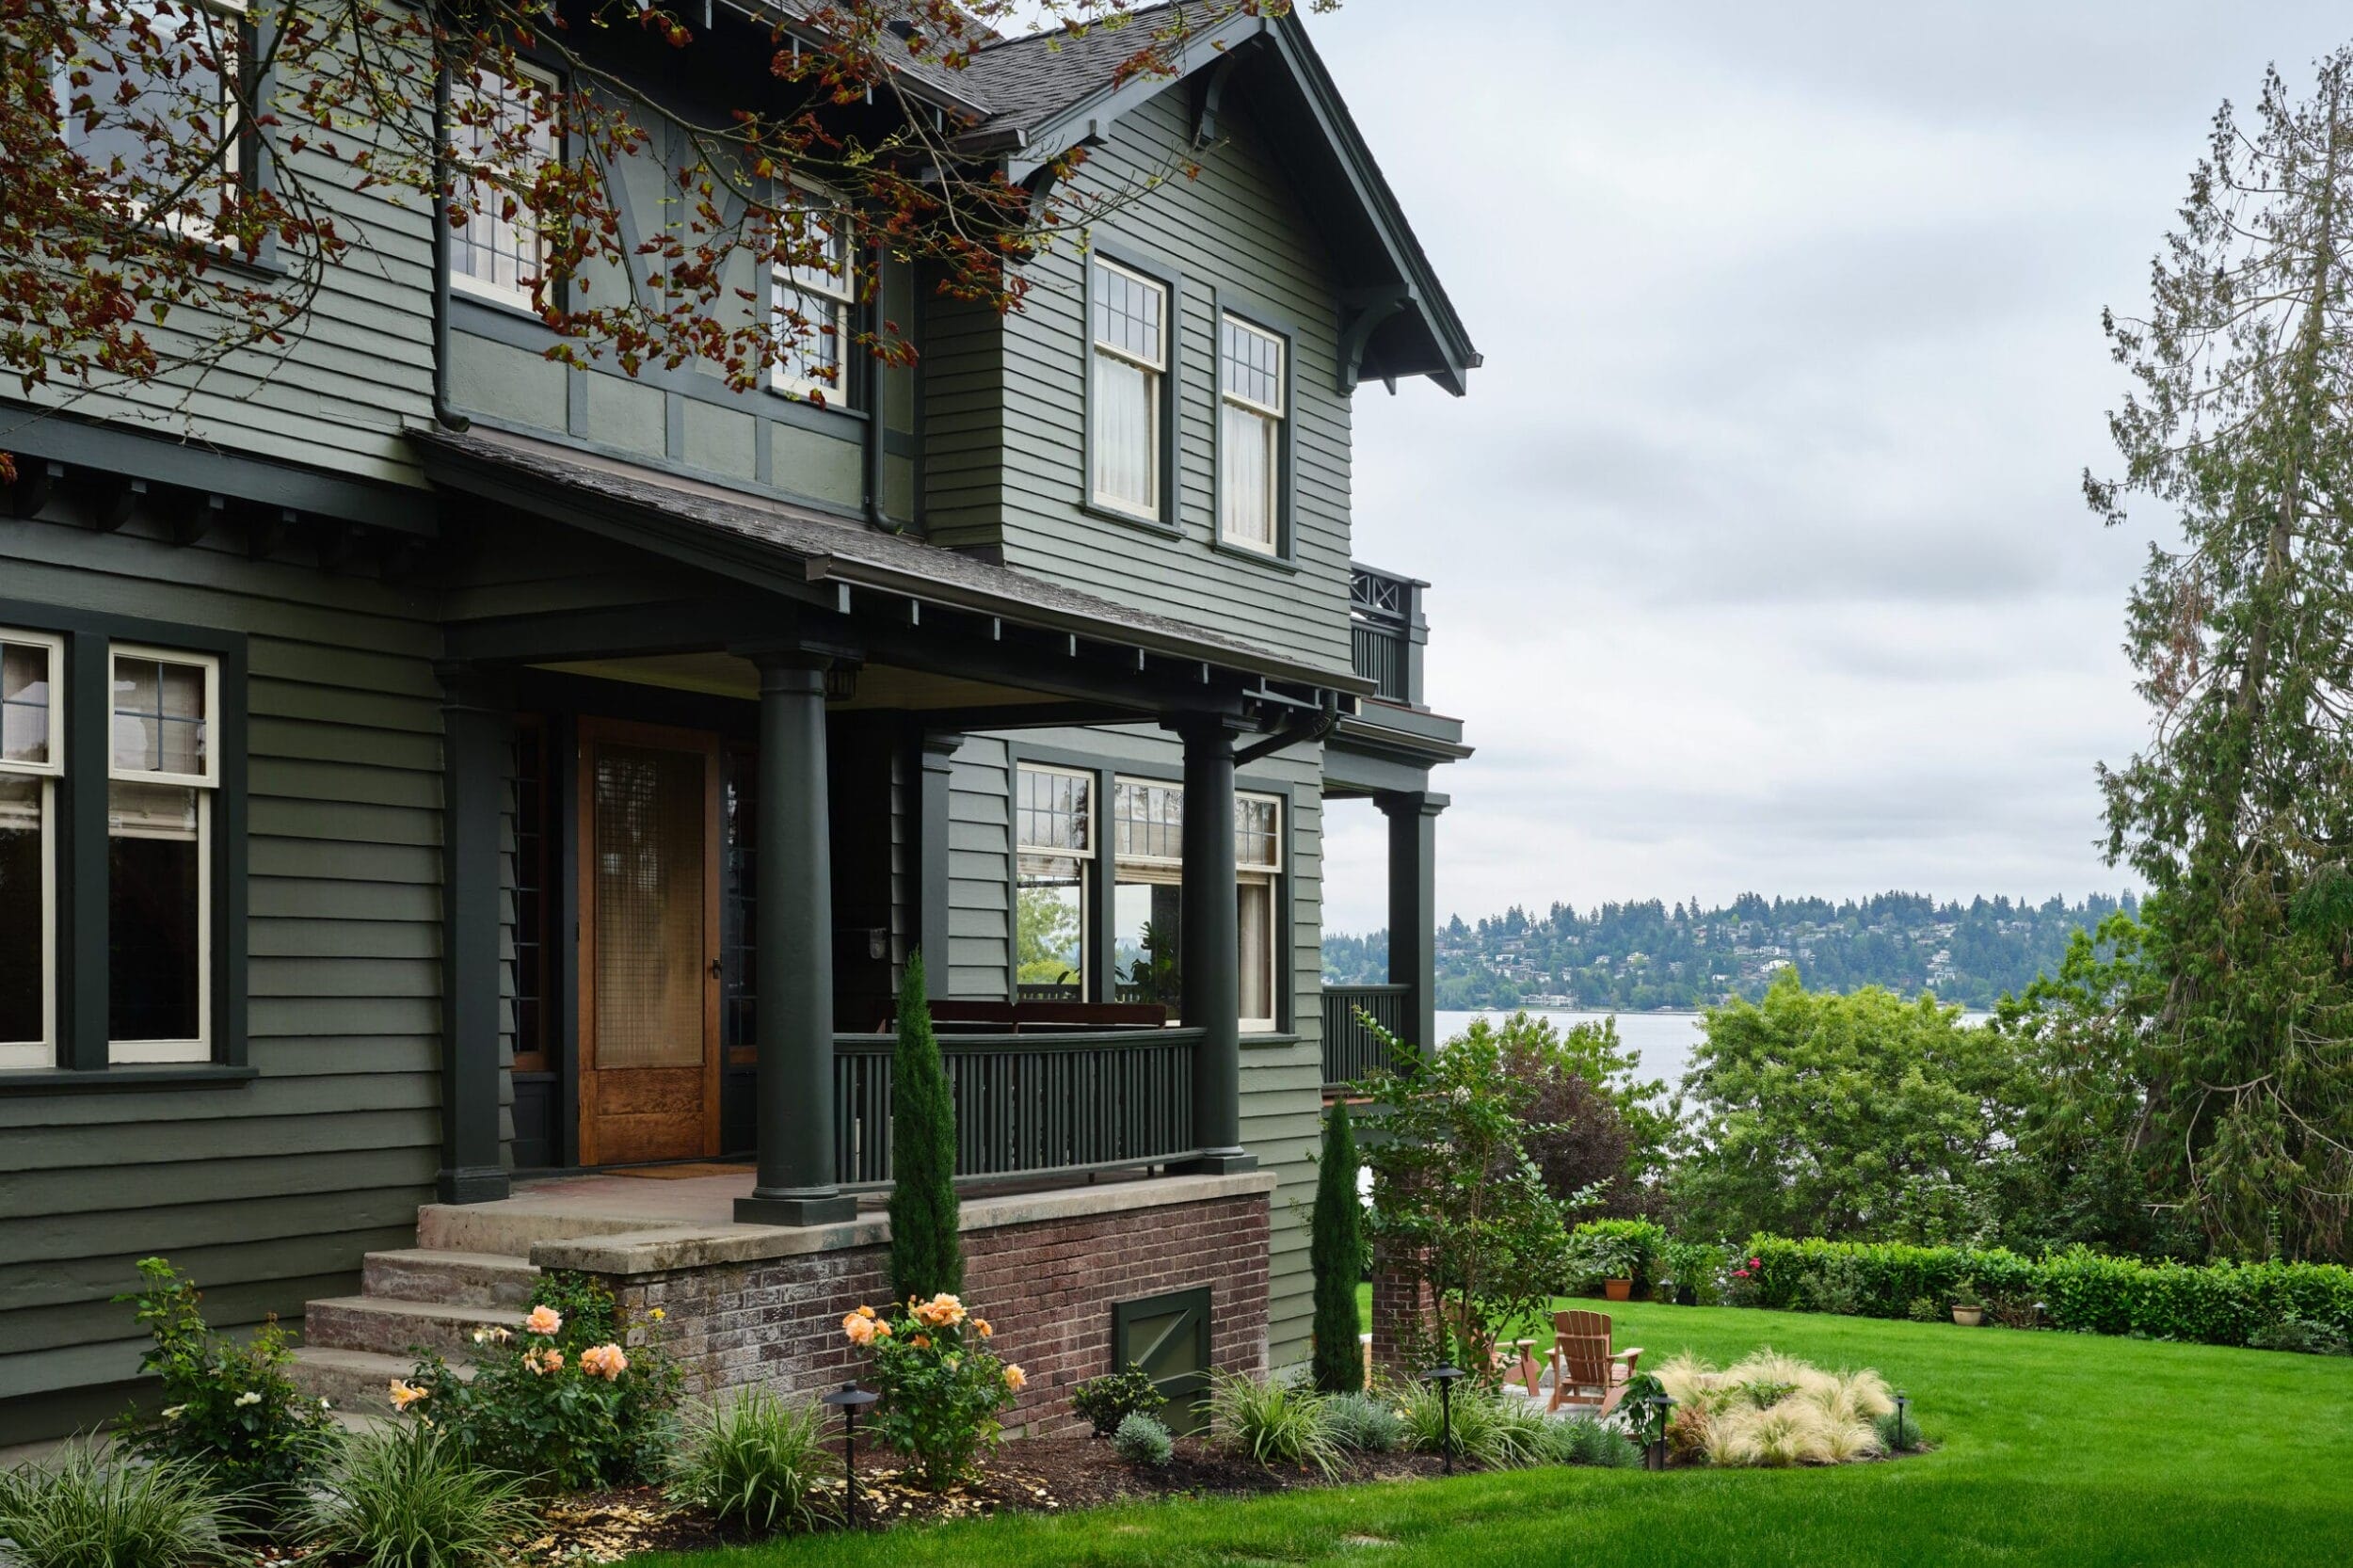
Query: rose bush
(941, 1388)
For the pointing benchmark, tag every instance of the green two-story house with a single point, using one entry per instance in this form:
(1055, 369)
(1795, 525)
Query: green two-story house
(462, 815)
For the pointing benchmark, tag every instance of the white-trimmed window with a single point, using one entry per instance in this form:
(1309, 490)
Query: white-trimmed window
(1250, 437)
(32, 762)
(162, 772)
(1258, 874)
(500, 249)
(1129, 373)
(1054, 832)
(811, 304)
(1147, 889)
(195, 99)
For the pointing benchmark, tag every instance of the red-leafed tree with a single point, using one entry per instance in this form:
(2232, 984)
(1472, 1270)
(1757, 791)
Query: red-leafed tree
(176, 175)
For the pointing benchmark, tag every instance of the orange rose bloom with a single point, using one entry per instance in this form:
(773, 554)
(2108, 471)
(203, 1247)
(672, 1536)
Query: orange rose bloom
(544, 1320)
(1015, 1378)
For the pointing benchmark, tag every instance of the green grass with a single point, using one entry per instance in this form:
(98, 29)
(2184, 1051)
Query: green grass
(2055, 1449)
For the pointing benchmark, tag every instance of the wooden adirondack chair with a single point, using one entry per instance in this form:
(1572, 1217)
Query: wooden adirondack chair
(1584, 1370)
(1510, 1358)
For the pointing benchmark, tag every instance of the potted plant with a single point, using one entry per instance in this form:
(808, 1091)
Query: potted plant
(1610, 1257)
(1969, 1307)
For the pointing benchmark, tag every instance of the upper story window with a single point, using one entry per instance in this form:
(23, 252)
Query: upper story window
(812, 303)
(1129, 375)
(507, 122)
(1250, 437)
(1054, 832)
(178, 89)
(163, 770)
(32, 759)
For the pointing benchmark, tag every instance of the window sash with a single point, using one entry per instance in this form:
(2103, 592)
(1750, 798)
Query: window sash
(1250, 367)
(1249, 493)
(209, 777)
(198, 1048)
(1075, 806)
(42, 1053)
(1258, 959)
(1129, 284)
(492, 255)
(817, 365)
(229, 24)
(52, 648)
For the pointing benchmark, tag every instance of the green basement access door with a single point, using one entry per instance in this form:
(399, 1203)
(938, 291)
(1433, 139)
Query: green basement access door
(1169, 1337)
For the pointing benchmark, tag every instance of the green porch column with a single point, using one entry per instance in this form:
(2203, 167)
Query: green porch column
(476, 752)
(793, 965)
(1208, 943)
(1413, 906)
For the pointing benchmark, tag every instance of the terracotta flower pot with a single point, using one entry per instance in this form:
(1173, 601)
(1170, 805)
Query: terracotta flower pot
(1968, 1317)
(1618, 1290)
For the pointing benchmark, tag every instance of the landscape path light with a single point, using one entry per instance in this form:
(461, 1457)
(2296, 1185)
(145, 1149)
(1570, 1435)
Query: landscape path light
(1902, 1400)
(1444, 1378)
(850, 1398)
(1655, 1457)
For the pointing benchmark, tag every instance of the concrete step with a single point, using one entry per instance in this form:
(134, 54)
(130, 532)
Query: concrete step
(461, 1278)
(357, 1384)
(392, 1327)
(512, 1228)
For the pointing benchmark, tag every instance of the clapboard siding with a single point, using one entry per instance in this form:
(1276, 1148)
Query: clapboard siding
(268, 1193)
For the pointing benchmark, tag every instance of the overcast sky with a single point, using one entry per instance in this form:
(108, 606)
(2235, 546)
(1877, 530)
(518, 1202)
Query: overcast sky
(1760, 556)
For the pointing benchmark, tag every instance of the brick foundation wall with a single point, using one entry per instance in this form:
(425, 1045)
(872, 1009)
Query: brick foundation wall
(1046, 1287)
(1402, 1313)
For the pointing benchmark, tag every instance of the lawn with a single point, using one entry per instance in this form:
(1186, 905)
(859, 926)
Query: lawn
(2055, 1448)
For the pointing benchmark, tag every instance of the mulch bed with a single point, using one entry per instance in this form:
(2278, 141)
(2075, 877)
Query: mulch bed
(1038, 1474)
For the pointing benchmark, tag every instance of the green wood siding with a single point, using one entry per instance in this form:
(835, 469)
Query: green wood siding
(267, 1193)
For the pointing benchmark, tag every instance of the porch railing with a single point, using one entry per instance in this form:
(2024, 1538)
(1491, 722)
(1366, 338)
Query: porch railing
(1027, 1104)
(1382, 608)
(1351, 1051)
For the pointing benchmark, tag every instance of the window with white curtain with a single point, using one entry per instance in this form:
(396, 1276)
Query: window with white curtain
(1054, 832)
(499, 247)
(1250, 437)
(32, 762)
(1148, 843)
(1258, 873)
(195, 99)
(812, 301)
(163, 770)
(1130, 368)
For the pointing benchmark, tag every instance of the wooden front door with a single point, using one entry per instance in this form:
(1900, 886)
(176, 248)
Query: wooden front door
(648, 943)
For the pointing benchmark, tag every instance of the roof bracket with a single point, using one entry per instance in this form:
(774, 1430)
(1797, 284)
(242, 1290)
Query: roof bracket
(1366, 316)
(36, 482)
(1209, 95)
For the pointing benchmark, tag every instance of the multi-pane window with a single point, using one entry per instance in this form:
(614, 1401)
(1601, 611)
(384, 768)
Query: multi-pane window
(178, 89)
(1250, 437)
(163, 770)
(507, 125)
(1131, 355)
(1054, 831)
(1147, 889)
(811, 302)
(32, 759)
(1258, 874)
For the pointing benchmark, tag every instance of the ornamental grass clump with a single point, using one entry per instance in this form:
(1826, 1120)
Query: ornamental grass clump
(1274, 1424)
(408, 1497)
(754, 1464)
(1366, 1423)
(1585, 1440)
(84, 1511)
(1770, 1410)
(941, 1389)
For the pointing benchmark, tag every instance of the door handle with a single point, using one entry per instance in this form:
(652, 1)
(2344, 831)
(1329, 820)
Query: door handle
(715, 969)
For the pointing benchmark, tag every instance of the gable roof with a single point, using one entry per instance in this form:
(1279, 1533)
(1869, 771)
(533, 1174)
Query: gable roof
(1046, 93)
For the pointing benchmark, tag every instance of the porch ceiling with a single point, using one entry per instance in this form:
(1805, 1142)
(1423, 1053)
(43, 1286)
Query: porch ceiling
(878, 686)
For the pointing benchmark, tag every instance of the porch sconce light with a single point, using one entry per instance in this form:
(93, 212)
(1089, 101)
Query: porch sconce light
(1902, 1400)
(1445, 1377)
(1654, 1456)
(850, 1398)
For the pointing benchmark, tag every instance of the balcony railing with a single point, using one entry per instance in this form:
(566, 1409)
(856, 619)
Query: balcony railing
(1385, 629)
(1027, 1104)
(1350, 1051)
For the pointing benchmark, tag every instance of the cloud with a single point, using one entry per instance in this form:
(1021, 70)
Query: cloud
(1758, 550)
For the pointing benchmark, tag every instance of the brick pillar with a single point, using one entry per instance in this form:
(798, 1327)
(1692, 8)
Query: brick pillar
(1402, 1315)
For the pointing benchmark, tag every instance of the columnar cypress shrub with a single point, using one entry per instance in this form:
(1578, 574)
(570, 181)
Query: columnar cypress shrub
(926, 1257)
(1336, 1251)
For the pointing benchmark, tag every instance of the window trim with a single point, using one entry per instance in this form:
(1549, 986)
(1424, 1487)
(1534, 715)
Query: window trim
(1169, 406)
(17, 1055)
(210, 664)
(59, 705)
(800, 390)
(1279, 417)
(1273, 878)
(1088, 860)
(1284, 556)
(83, 1061)
(482, 289)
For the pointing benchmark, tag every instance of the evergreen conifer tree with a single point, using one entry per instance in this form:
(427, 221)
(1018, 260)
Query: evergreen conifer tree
(1336, 1253)
(926, 1257)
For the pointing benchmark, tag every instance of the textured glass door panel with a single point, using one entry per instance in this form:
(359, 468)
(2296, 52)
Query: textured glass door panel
(648, 862)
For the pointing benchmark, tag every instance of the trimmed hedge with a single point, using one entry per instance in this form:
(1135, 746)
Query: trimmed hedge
(2213, 1304)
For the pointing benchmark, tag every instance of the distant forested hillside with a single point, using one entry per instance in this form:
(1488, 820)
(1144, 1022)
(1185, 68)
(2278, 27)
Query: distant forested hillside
(1635, 956)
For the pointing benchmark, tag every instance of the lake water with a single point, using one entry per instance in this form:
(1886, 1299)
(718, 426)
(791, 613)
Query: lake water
(1664, 1041)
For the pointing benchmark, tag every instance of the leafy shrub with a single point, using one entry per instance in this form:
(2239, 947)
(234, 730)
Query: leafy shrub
(1105, 1402)
(411, 1497)
(229, 1408)
(1271, 1423)
(941, 1389)
(1925, 1310)
(557, 1396)
(2216, 1304)
(1616, 1249)
(2300, 1334)
(1898, 1433)
(753, 1464)
(1694, 1272)
(85, 1512)
(1142, 1440)
(1365, 1422)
